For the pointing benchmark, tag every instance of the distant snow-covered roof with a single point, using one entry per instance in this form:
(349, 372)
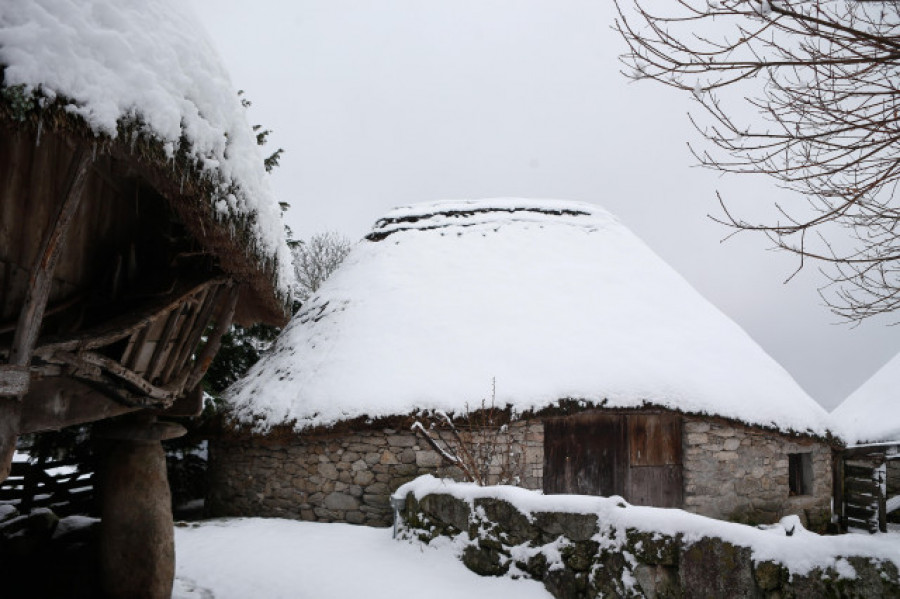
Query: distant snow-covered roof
(871, 414)
(552, 299)
(149, 64)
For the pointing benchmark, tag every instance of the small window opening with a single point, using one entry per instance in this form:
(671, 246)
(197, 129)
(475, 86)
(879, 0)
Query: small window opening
(800, 473)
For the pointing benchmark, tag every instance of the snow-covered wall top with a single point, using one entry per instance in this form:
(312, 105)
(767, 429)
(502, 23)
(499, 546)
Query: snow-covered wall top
(552, 299)
(110, 61)
(871, 414)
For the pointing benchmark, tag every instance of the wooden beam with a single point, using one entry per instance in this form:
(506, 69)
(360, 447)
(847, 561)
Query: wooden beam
(167, 395)
(126, 325)
(41, 279)
(214, 340)
(58, 402)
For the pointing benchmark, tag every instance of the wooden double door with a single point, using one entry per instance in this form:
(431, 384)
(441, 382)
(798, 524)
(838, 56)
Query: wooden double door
(636, 456)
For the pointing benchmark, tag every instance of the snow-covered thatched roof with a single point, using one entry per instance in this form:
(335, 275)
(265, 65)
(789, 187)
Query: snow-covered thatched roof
(551, 299)
(871, 414)
(141, 81)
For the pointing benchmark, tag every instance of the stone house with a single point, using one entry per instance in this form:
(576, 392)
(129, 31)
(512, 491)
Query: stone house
(619, 377)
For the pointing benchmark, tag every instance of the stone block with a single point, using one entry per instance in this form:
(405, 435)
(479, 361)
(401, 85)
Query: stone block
(341, 501)
(509, 520)
(484, 561)
(657, 582)
(653, 548)
(575, 527)
(428, 459)
(363, 478)
(355, 517)
(388, 458)
(732, 444)
(447, 509)
(712, 567)
(407, 440)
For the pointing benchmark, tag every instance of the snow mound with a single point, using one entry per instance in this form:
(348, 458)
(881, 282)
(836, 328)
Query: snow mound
(554, 300)
(870, 414)
(111, 61)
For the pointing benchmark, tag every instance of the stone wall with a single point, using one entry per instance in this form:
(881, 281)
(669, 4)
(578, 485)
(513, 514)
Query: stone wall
(731, 472)
(603, 554)
(734, 472)
(342, 477)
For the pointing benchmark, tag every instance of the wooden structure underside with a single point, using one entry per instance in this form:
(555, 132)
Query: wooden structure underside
(108, 304)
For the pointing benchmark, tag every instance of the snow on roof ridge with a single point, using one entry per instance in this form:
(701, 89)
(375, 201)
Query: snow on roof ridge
(466, 213)
(150, 65)
(426, 318)
(870, 414)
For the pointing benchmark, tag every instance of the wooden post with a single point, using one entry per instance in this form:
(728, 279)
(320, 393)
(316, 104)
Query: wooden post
(838, 489)
(10, 415)
(137, 538)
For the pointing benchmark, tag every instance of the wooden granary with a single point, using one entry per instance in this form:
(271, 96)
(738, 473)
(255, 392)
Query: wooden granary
(135, 225)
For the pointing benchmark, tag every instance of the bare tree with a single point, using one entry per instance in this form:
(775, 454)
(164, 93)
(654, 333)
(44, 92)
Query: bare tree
(316, 258)
(822, 80)
(479, 442)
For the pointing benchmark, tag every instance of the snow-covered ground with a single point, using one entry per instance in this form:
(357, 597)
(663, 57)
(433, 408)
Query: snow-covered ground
(273, 558)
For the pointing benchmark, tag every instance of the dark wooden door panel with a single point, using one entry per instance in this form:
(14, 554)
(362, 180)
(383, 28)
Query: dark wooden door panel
(659, 486)
(654, 439)
(585, 455)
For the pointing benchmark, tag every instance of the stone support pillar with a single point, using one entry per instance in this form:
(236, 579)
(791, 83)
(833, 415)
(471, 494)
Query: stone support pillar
(137, 542)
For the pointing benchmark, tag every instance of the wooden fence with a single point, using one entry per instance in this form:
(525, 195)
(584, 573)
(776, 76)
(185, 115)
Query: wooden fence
(861, 489)
(57, 485)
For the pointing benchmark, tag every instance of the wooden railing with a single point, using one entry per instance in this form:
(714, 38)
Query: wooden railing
(57, 485)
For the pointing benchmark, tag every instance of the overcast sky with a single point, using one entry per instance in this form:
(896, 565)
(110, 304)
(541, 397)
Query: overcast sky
(390, 102)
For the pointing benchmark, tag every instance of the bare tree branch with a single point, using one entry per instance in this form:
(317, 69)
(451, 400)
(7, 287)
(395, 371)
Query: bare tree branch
(823, 78)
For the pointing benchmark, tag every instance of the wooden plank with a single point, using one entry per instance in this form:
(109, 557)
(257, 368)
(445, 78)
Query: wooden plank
(860, 472)
(654, 439)
(38, 292)
(855, 486)
(859, 512)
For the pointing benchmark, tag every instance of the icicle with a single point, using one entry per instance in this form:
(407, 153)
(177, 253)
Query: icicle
(37, 140)
(133, 140)
(94, 152)
(181, 187)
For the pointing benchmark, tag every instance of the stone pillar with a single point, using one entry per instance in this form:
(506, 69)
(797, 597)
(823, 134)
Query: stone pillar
(137, 539)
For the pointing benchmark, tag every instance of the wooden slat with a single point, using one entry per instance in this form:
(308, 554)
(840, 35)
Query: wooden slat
(861, 512)
(857, 471)
(173, 362)
(214, 340)
(163, 344)
(856, 486)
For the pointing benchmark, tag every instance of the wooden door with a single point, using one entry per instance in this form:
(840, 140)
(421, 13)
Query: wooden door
(654, 456)
(585, 455)
(637, 456)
